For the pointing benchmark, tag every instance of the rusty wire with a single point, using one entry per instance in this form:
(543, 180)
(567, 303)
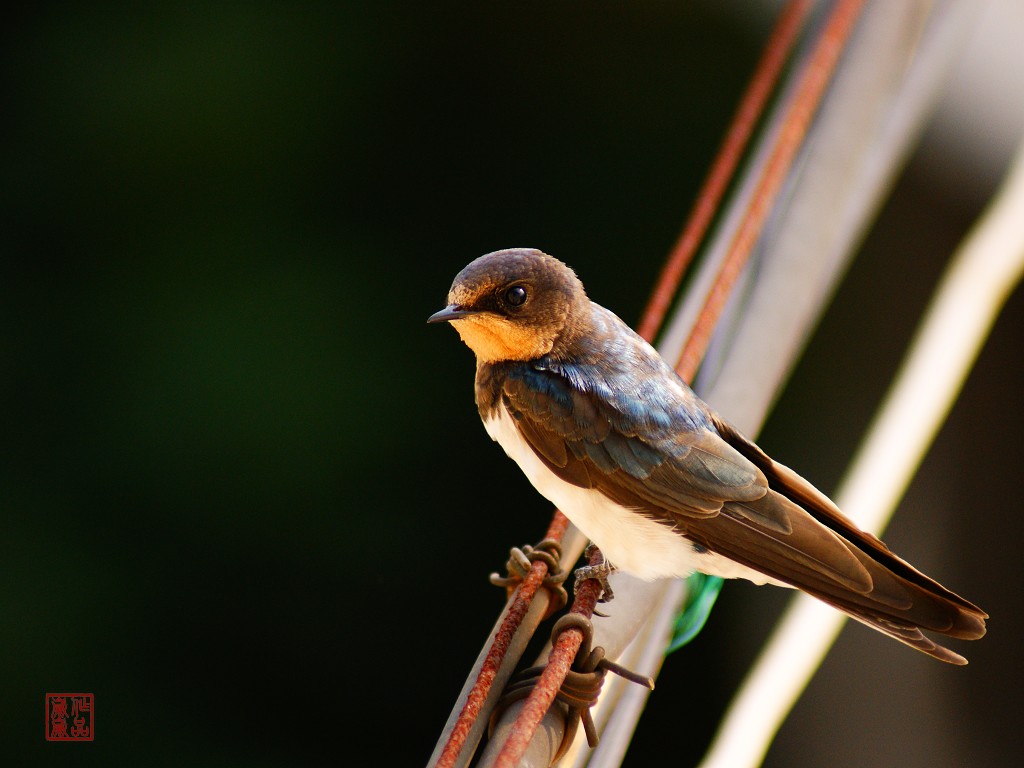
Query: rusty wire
(811, 88)
(584, 680)
(521, 601)
(560, 661)
(734, 145)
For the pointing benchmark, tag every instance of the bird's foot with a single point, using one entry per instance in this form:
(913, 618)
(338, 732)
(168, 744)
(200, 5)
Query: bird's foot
(598, 569)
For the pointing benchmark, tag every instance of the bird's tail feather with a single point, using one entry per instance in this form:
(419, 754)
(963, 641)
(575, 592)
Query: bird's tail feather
(777, 537)
(796, 535)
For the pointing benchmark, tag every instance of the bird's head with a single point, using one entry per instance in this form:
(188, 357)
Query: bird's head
(515, 304)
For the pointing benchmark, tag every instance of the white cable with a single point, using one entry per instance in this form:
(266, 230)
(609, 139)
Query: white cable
(984, 270)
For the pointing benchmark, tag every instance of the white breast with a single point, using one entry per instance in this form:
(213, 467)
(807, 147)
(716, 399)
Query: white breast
(628, 540)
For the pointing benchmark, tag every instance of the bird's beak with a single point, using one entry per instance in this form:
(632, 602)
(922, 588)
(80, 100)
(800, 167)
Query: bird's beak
(451, 312)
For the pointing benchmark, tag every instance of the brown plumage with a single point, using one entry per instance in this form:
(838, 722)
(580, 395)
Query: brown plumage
(662, 484)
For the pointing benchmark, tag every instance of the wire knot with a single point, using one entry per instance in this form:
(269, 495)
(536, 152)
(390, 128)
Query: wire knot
(582, 685)
(520, 561)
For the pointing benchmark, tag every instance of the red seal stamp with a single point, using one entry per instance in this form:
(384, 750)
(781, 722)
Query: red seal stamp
(70, 717)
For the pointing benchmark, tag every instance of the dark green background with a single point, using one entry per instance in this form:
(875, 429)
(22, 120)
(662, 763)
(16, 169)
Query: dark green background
(245, 497)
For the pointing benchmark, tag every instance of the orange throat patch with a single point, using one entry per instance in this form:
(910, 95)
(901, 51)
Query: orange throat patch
(495, 339)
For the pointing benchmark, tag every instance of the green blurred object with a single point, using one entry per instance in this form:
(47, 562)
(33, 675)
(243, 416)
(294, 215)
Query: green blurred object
(702, 591)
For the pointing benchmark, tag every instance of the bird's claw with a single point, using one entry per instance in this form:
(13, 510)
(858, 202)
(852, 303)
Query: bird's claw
(600, 573)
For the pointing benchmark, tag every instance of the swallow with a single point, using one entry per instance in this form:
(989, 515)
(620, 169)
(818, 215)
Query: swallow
(606, 430)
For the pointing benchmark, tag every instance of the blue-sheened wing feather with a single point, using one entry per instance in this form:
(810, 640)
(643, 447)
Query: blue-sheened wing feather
(642, 451)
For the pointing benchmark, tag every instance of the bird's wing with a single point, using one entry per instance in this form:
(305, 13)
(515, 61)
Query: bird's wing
(637, 452)
(660, 453)
(647, 451)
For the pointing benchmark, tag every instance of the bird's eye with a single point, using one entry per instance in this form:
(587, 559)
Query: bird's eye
(515, 296)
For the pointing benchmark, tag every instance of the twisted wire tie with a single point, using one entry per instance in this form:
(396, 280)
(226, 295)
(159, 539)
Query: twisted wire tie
(582, 685)
(548, 551)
